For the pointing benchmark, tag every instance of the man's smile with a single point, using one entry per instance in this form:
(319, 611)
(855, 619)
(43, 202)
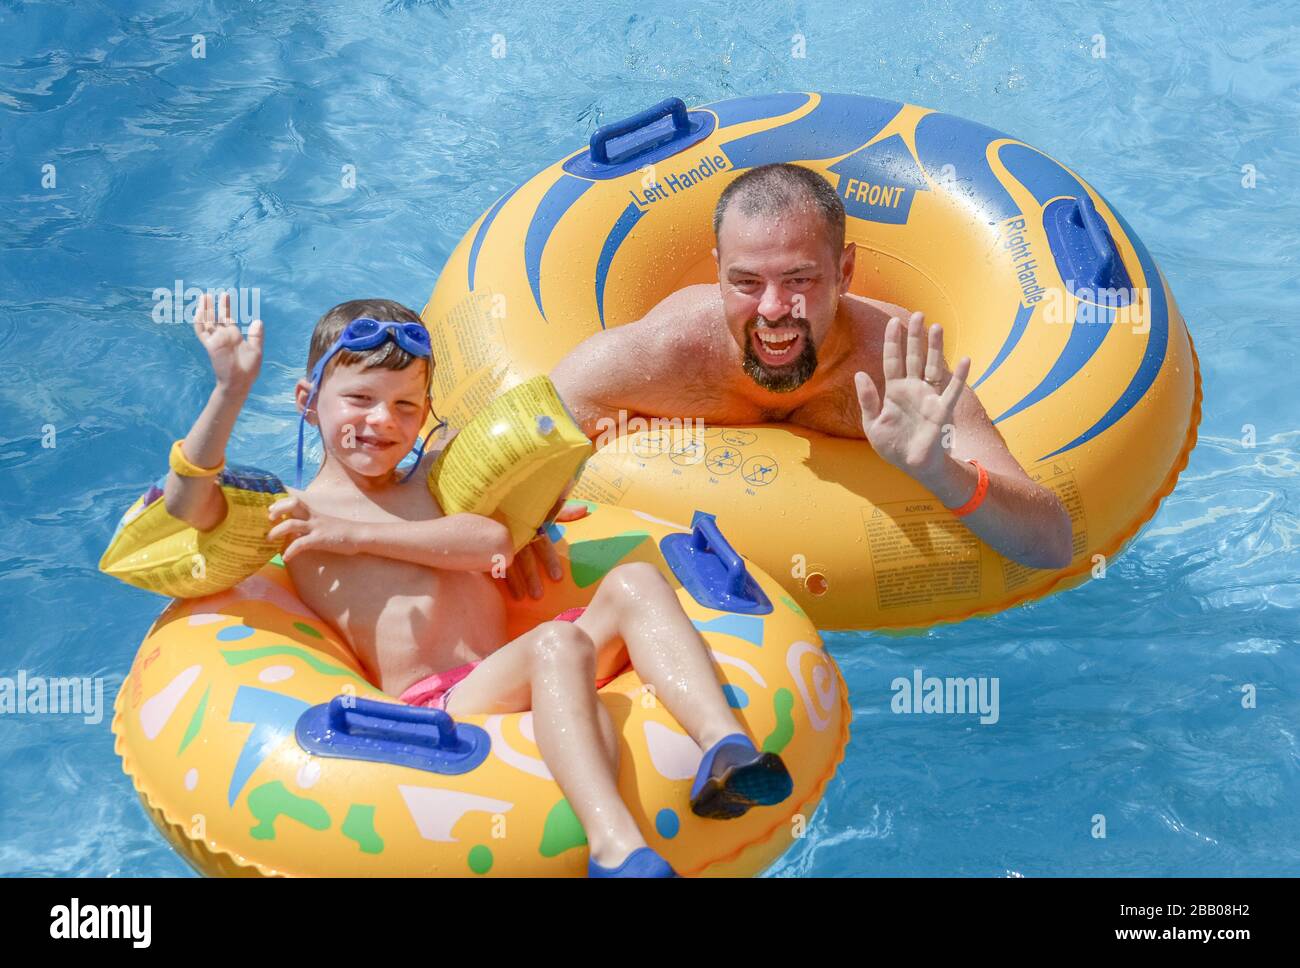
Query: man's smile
(777, 346)
(779, 356)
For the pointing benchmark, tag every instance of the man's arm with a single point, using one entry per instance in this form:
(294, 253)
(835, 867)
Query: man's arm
(1022, 520)
(641, 368)
(928, 423)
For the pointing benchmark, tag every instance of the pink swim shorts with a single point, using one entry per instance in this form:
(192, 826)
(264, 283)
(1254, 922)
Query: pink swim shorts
(432, 691)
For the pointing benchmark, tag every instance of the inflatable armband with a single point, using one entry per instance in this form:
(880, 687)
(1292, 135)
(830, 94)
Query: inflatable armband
(513, 460)
(155, 551)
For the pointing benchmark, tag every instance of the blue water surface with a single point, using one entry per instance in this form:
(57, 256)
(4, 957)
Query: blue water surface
(1122, 698)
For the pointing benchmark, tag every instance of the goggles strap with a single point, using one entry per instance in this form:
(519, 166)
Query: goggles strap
(419, 450)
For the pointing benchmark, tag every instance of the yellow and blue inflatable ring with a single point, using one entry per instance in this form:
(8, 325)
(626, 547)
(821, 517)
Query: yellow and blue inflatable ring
(1079, 352)
(210, 727)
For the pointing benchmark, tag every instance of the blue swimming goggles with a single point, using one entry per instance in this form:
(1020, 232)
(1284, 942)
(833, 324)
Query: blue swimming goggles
(365, 334)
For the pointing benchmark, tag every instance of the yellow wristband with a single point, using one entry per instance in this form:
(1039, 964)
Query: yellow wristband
(181, 465)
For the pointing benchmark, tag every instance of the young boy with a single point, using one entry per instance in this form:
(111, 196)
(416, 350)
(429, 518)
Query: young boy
(370, 551)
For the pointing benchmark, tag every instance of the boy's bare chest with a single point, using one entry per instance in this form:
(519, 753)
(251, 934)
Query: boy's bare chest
(404, 502)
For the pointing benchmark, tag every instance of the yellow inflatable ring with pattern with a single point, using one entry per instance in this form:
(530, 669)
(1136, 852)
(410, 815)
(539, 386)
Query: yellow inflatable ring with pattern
(214, 726)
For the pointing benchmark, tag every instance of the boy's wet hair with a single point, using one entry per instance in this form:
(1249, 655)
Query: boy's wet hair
(388, 354)
(775, 189)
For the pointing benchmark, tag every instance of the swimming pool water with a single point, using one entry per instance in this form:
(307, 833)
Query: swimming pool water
(1122, 698)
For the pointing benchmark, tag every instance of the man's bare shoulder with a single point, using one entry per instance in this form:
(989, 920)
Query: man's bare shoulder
(682, 330)
(701, 296)
(692, 313)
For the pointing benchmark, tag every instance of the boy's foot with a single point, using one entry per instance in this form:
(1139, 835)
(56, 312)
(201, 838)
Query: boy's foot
(735, 776)
(642, 862)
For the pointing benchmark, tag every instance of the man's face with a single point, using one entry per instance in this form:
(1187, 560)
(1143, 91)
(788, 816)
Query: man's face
(370, 419)
(781, 282)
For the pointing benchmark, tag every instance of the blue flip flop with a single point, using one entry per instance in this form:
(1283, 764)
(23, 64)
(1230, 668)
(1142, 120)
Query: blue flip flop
(642, 862)
(734, 776)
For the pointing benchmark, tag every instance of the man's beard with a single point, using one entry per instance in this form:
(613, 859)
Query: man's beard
(788, 376)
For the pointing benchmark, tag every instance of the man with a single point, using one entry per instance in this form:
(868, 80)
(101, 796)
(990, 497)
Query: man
(781, 339)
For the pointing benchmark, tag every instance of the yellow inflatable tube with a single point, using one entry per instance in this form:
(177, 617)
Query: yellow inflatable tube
(1079, 352)
(217, 719)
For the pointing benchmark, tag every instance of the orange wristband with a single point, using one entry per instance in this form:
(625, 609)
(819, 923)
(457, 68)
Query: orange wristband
(981, 490)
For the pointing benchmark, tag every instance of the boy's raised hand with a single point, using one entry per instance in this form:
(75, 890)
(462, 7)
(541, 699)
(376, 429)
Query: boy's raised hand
(235, 360)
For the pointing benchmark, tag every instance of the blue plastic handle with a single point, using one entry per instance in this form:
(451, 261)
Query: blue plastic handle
(1086, 254)
(617, 129)
(711, 570)
(385, 732)
(707, 537)
(1102, 246)
(394, 723)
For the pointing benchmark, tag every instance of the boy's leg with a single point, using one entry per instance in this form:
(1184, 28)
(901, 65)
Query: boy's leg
(551, 669)
(635, 607)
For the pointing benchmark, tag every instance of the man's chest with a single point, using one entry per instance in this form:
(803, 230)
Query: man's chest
(831, 407)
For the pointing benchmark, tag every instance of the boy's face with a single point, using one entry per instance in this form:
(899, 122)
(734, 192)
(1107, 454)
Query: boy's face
(369, 419)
